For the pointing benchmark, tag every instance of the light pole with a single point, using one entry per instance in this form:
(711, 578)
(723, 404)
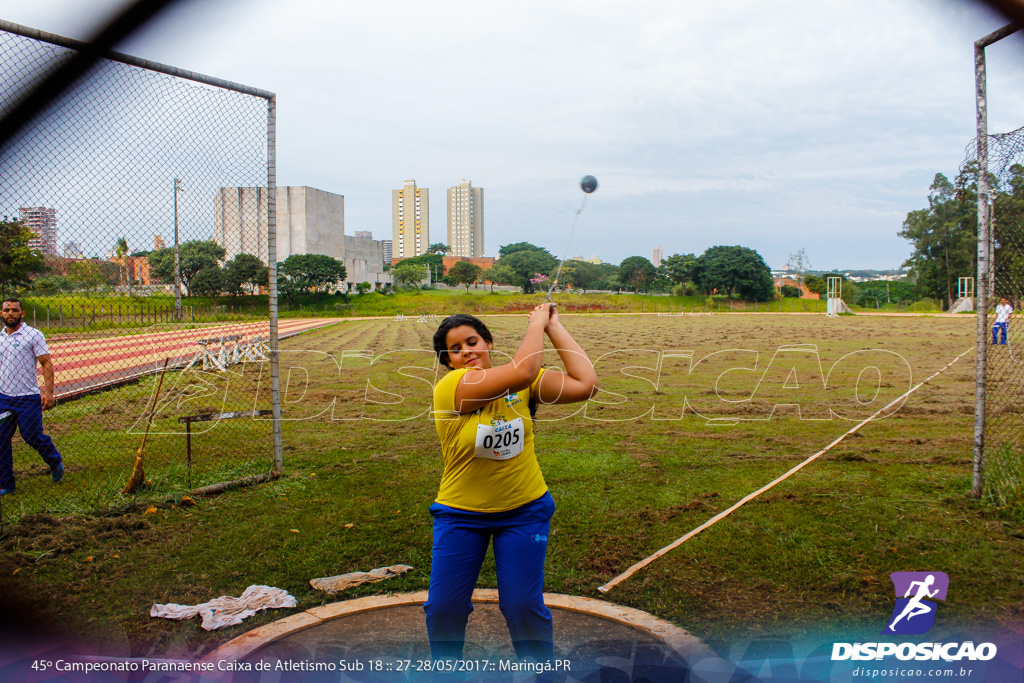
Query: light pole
(177, 260)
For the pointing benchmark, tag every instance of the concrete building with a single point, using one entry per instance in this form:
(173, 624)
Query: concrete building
(158, 242)
(466, 220)
(658, 256)
(387, 250)
(368, 234)
(73, 250)
(410, 220)
(43, 222)
(308, 221)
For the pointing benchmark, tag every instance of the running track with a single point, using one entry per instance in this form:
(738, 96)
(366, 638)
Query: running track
(81, 365)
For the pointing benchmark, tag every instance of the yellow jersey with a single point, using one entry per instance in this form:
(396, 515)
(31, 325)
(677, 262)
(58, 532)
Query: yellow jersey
(489, 461)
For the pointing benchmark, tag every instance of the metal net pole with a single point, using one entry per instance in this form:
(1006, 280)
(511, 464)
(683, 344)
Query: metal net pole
(987, 271)
(981, 340)
(275, 377)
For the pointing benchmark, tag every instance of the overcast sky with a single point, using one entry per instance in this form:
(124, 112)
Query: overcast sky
(774, 125)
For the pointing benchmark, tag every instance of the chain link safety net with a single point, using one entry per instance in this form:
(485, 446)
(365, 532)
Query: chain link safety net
(1004, 411)
(124, 174)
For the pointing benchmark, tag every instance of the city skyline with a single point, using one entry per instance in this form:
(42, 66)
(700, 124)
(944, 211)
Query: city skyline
(799, 124)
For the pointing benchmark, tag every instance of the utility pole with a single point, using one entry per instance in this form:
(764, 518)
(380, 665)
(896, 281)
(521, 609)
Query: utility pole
(177, 260)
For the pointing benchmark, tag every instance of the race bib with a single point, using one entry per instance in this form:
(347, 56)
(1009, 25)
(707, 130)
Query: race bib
(500, 441)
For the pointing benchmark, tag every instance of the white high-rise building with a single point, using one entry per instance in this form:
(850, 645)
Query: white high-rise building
(658, 256)
(410, 220)
(466, 220)
(43, 222)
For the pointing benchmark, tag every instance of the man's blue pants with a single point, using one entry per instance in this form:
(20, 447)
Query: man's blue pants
(520, 544)
(1001, 328)
(27, 419)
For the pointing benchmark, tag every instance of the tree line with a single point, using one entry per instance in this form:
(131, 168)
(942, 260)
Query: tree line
(944, 235)
(202, 266)
(731, 270)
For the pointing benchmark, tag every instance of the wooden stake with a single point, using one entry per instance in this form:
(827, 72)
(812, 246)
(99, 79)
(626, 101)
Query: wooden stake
(138, 474)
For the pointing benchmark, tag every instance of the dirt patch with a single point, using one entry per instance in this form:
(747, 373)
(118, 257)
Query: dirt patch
(851, 457)
(36, 537)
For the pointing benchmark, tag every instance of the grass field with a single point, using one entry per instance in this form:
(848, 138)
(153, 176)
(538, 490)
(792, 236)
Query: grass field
(629, 476)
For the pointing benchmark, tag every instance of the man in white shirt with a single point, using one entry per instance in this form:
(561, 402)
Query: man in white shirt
(21, 347)
(1003, 313)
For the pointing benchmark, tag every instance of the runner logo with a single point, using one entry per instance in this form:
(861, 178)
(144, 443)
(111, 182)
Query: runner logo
(914, 613)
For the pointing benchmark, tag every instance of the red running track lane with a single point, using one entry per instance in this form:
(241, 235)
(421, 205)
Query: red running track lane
(81, 365)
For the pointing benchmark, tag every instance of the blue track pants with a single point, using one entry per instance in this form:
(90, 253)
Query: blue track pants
(520, 544)
(28, 419)
(1001, 328)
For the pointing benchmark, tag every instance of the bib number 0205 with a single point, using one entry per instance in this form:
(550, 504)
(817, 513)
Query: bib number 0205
(500, 441)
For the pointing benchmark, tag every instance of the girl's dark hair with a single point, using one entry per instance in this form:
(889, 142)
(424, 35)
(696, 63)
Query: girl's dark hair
(450, 323)
(458, 320)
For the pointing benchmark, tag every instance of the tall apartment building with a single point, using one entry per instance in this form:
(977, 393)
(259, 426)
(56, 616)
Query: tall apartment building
(658, 256)
(466, 220)
(410, 220)
(387, 251)
(43, 222)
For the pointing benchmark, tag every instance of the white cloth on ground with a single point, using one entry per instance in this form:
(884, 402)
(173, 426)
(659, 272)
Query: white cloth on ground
(336, 584)
(226, 610)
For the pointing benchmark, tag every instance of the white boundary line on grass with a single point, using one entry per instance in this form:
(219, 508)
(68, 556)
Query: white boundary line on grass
(678, 542)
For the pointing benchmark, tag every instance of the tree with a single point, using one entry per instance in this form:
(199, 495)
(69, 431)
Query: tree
(816, 285)
(465, 273)
(406, 273)
(1008, 260)
(681, 268)
(578, 275)
(438, 248)
(121, 252)
(800, 262)
(510, 249)
(944, 236)
(193, 256)
(207, 282)
(526, 263)
(245, 270)
(87, 275)
(736, 271)
(608, 277)
(498, 275)
(790, 292)
(18, 262)
(364, 287)
(819, 285)
(51, 284)
(637, 273)
(433, 262)
(303, 273)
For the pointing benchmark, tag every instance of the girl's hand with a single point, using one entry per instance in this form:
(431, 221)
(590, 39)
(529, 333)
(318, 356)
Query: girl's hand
(542, 314)
(553, 318)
